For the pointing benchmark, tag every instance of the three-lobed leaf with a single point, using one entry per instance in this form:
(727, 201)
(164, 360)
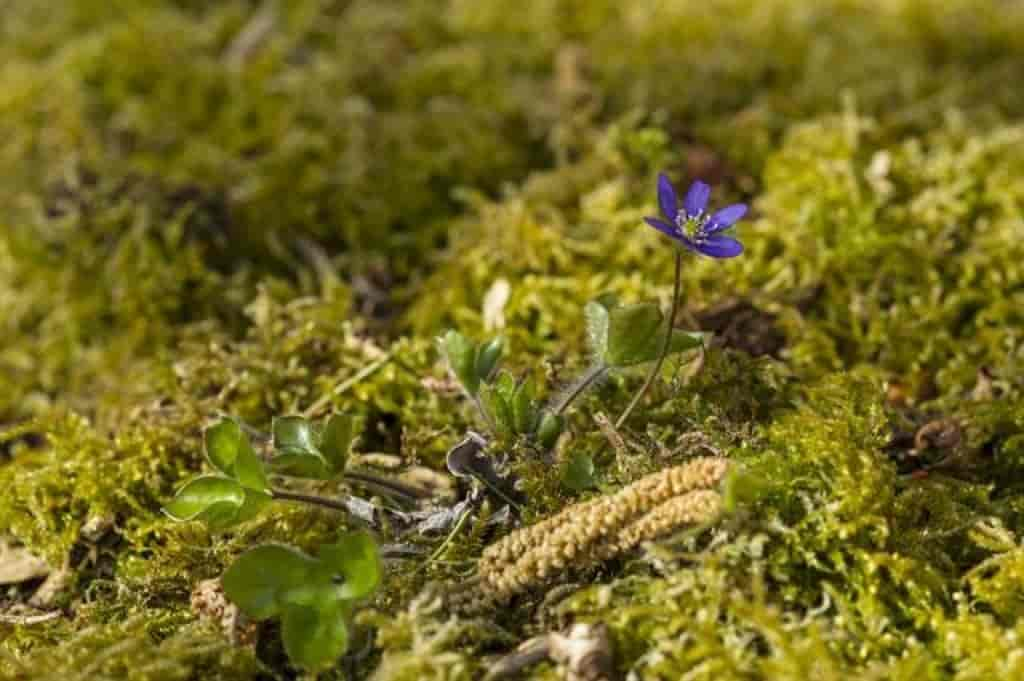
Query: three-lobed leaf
(313, 596)
(624, 335)
(634, 334)
(315, 637)
(355, 558)
(258, 581)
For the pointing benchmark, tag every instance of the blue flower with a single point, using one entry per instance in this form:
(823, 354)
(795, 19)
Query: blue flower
(691, 226)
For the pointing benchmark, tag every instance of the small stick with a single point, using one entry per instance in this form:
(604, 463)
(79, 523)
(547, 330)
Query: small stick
(29, 619)
(342, 387)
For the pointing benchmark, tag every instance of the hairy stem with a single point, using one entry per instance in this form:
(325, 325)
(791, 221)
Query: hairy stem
(582, 383)
(665, 344)
(451, 535)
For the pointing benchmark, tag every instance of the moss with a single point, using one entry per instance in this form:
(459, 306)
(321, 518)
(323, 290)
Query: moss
(264, 209)
(147, 645)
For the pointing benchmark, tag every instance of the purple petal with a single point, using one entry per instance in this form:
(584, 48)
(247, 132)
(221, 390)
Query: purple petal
(696, 198)
(720, 247)
(725, 218)
(667, 198)
(664, 227)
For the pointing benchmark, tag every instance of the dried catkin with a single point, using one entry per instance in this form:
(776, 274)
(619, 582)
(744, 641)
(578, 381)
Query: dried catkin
(602, 528)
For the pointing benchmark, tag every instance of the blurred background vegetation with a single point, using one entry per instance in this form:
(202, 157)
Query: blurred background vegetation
(237, 206)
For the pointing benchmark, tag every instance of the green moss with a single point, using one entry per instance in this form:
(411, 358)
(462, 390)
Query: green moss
(264, 210)
(147, 645)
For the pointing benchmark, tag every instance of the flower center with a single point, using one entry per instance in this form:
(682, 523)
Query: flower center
(692, 225)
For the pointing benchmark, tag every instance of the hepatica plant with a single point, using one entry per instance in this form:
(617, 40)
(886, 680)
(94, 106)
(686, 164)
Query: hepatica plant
(620, 336)
(313, 596)
(695, 231)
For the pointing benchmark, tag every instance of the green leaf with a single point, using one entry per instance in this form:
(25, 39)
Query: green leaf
(249, 469)
(255, 501)
(315, 592)
(685, 340)
(337, 441)
(211, 498)
(461, 355)
(355, 557)
(524, 412)
(301, 464)
(497, 399)
(624, 335)
(258, 579)
(294, 432)
(578, 474)
(634, 334)
(314, 638)
(228, 449)
(488, 357)
(223, 441)
(551, 426)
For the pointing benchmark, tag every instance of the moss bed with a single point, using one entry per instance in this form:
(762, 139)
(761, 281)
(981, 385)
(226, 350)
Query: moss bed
(237, 207)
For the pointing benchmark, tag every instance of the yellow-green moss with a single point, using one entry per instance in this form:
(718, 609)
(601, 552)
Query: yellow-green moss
(262, 209)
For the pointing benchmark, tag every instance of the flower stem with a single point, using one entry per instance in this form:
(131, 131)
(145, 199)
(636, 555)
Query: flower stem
(582, 383)
(665, 344)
